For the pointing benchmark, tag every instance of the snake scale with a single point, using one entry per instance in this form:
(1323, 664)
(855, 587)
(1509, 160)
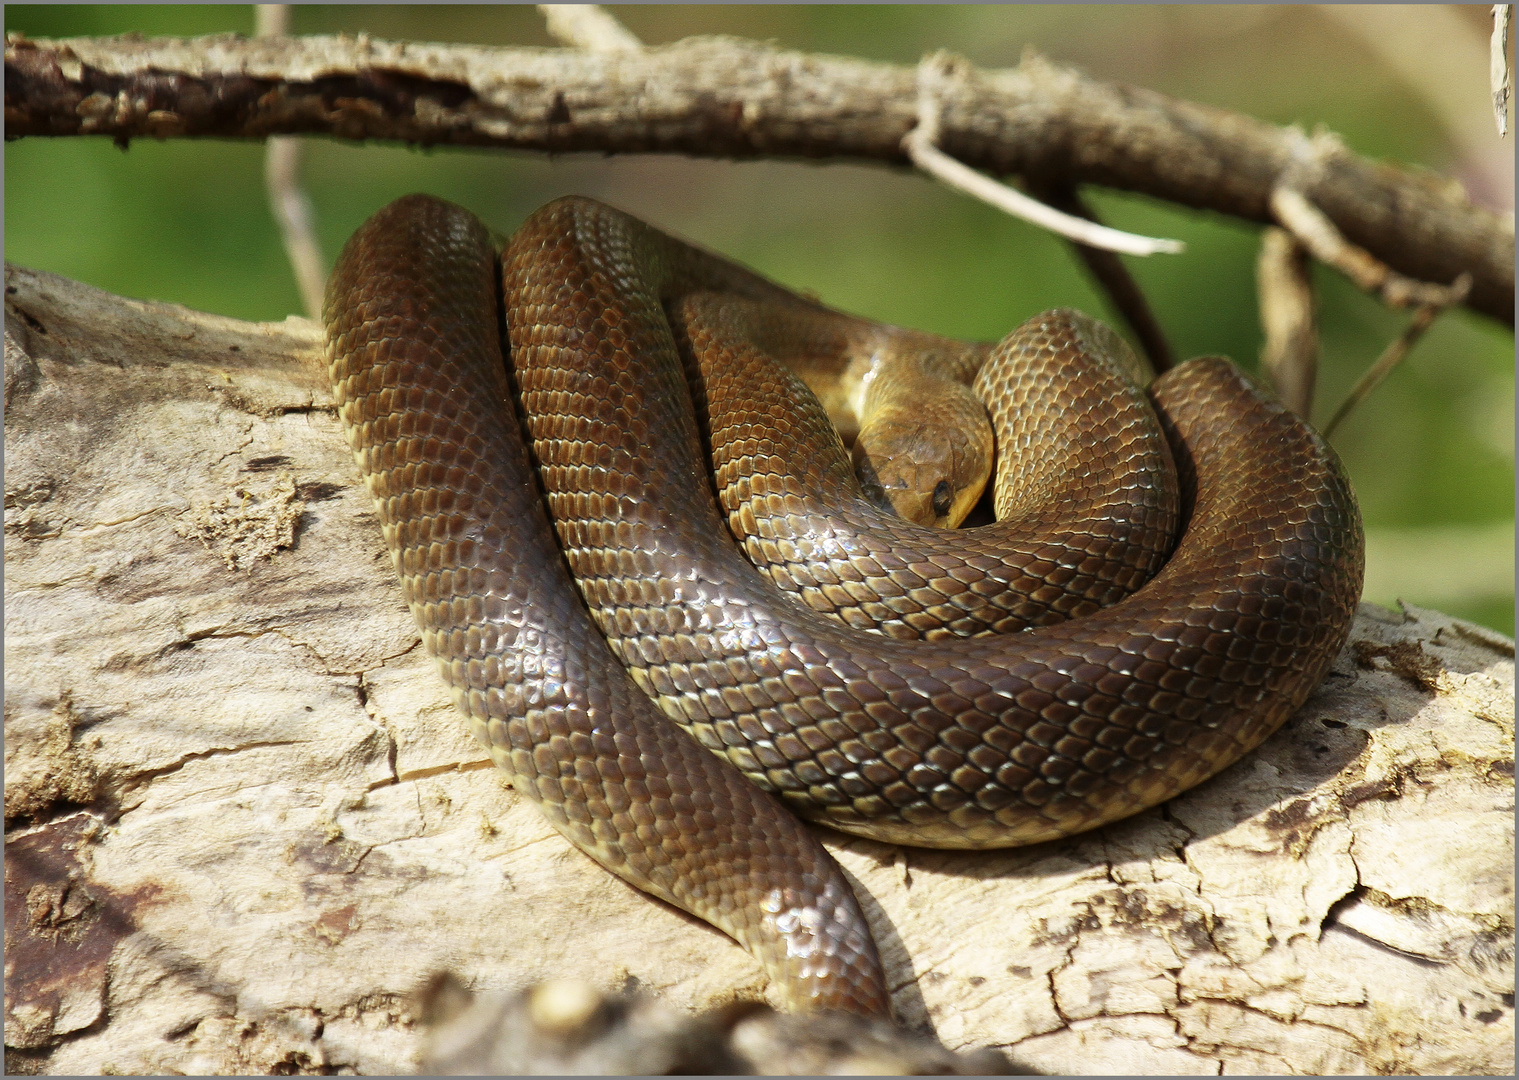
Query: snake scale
(619, 340)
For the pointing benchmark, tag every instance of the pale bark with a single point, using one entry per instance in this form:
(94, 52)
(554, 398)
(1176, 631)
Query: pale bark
(244, 822)
(730, 98)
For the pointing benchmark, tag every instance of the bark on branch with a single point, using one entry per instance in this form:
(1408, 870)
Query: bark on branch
(727, 97)
(244, 821)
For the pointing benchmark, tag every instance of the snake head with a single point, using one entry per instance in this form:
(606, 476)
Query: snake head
(925, 467)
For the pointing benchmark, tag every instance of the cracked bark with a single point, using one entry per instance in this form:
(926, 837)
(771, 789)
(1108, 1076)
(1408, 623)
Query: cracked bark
(727, 97)
(244, 823)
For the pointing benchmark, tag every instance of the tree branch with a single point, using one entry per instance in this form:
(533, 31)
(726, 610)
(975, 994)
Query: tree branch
(726, 97)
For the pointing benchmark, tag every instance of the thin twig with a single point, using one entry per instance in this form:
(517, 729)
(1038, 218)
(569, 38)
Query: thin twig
(919, 146)
(1010, 201)
(1318, 234)
(1395, 352)
(288, 201)
(1113, 277)
(590, 27)
(1290, 355)
(1497, 69)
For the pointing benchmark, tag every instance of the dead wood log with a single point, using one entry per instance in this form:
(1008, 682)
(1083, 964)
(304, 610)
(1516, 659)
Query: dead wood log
(244, 823)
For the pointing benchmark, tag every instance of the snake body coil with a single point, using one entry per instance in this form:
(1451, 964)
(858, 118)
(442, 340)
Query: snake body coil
(982, 742)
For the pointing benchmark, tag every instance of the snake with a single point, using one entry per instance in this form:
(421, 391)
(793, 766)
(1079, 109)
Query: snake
(574, 444)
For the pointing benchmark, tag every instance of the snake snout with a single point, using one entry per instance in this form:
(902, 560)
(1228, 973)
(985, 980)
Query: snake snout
(930, 474)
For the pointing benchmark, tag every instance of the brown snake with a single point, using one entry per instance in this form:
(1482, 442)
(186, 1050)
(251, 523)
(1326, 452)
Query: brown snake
(990, 741)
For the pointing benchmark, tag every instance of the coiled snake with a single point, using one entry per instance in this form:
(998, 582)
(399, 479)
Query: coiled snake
(991, 741)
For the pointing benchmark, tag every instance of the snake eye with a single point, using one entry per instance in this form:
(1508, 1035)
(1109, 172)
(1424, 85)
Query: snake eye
(943, 496)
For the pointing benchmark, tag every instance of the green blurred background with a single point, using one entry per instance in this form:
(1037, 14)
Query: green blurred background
(1431, 453)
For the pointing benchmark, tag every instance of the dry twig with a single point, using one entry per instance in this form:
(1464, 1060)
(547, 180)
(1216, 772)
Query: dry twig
(919, 143)
(1395, 352)
(1290, 355)
(288, 201)
(590, 27)
(1498, 65)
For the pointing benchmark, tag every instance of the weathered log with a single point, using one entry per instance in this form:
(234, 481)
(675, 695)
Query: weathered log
(244, 823)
